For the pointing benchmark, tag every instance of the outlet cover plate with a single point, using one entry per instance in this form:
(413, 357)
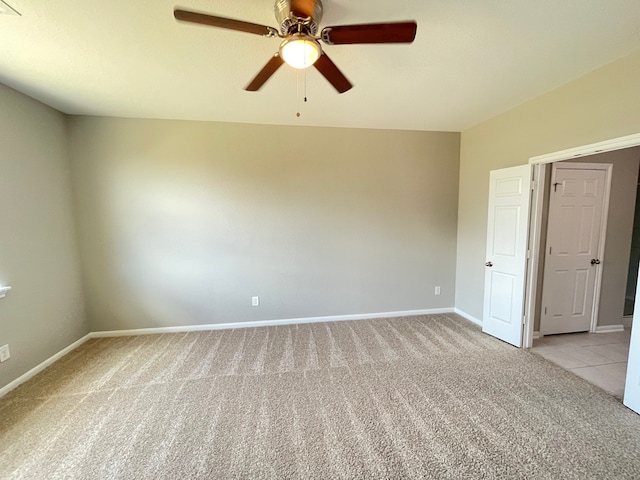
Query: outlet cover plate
(5, 354)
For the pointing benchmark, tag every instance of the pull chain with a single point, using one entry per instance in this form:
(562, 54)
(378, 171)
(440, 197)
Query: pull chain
(298, 92)
(298, 89)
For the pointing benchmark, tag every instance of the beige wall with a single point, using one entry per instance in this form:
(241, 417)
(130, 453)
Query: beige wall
(180, 223)
(38, 252)
(602, 105)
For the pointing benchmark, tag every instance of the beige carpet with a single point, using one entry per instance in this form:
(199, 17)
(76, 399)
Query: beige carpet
(419, 397)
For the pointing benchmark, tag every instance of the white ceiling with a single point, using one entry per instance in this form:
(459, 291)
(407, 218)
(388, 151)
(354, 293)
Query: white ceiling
(471, 60)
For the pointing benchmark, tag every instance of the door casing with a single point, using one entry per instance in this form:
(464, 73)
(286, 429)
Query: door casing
(537, 203)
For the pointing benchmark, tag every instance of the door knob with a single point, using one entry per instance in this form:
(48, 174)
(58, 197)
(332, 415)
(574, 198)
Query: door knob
(488, 264)
(595, 261)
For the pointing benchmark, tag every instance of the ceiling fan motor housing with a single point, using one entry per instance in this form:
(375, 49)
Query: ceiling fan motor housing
(290, 22)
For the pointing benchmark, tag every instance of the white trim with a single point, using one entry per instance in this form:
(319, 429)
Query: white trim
(37, 369)
(627, 320)
(536, 335)
(533, 266)
(218, 326)
(466, 316)
(267, 323)
(609, 328)
(591, 149)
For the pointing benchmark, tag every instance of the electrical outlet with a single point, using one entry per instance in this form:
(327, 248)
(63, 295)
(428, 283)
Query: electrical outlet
(5, 354)
(437, 292)
(255, 301)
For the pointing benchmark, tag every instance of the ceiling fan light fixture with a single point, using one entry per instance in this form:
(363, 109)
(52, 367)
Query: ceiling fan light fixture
(300, 51)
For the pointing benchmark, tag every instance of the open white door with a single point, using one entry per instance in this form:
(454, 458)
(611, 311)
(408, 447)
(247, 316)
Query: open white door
(506, 260)
(575, 238)
(632, 386)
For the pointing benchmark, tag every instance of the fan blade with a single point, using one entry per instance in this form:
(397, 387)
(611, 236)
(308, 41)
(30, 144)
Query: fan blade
(265, 74)
(403, 32)
(329, 70)
(222, 22)
(303, 8)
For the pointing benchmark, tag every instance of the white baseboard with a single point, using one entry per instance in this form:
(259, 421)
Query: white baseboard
(266, 323)
(466, 316)
(610, 328)
(537, 335)
(217, 326)
(627, 321)
(37, 369)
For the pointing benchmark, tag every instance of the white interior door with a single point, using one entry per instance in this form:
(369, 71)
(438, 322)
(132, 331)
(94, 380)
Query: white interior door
(632, 386)
(572, 263)
(506, 259)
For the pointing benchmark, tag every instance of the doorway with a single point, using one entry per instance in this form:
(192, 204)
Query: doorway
(617, 232)
(532, 254)
(600, 358)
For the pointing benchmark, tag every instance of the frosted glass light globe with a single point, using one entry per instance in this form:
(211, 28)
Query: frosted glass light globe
(300, 51)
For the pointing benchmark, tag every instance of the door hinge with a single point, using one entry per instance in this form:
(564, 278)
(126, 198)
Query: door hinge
(545, 310)
(524, 319)
(533, 184)
(528, 254)
(550, 248)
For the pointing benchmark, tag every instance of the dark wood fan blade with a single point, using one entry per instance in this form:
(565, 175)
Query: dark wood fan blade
(265, 74)
(222, 22)
(331, 72)
(303, 8)
(403, 32)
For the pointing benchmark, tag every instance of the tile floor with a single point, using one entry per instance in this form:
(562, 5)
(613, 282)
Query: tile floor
(600, 358)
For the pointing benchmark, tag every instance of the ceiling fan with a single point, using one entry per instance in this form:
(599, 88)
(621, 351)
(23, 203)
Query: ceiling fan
(298, 27)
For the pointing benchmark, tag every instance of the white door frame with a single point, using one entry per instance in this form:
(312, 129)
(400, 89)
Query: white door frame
(536, 214)
(608, 169)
